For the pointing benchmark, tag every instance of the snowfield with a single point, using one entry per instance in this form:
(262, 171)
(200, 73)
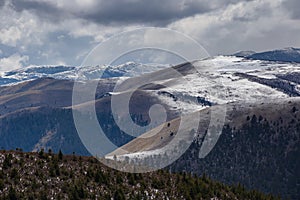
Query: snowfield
(217, 82)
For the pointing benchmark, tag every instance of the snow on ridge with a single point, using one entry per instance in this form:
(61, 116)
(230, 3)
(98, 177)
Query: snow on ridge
(220, 84)
(132, 69)
(129, 69)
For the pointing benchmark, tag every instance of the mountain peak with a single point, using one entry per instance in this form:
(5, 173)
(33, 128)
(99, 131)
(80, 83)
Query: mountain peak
(289, 54)
(244, 53)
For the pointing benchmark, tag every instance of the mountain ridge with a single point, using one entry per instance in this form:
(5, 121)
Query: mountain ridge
(45, 175)
(289, 54)
(129, 69)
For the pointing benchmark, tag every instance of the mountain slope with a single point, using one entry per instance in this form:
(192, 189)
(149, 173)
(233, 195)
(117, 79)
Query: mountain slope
(37, 114)
(231, 79)
(258, 147)
(48, 176)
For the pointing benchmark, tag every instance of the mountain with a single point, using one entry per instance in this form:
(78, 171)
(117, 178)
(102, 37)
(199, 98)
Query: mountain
(42, 106)
(43, 111)
(258, 147)
(129, 69)
(262, 121)
(244, 53)
(282, 55)
(46, 175)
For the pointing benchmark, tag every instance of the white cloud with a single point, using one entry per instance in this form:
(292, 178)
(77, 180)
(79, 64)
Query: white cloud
(12, 62)
(20, 28)
(10, 36)
(253, 25)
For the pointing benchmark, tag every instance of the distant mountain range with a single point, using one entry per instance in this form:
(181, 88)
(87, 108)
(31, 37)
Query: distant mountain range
(129, 69)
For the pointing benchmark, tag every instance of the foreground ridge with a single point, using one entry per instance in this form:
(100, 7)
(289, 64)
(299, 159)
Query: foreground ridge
(57, 176)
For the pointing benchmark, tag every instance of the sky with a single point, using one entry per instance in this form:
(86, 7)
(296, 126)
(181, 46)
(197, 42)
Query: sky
(63, 32)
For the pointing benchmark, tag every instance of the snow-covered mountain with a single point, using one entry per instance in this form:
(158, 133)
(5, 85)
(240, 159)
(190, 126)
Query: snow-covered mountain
(224, 79)
(218, 81)
(129, 69)
(262, 118)
(289, 54)
(244, 53)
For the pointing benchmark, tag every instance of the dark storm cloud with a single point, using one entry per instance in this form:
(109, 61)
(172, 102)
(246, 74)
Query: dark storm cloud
(2, 3)
(293, 7)
(154, 12)
(45, 10)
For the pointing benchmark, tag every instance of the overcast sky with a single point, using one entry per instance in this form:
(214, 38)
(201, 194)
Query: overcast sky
(37, 32)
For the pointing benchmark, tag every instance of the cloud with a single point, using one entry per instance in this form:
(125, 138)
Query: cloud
(46, 41)
(21, 28)
(252, 25)
(150, 12)
(53, 31)
(12, 62)
(154, 12)
(10, 36)
(293, 8)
